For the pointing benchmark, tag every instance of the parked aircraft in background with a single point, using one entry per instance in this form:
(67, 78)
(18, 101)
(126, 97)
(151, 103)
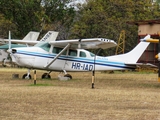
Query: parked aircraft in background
(70, 55)
(29, 40)
(4, 57)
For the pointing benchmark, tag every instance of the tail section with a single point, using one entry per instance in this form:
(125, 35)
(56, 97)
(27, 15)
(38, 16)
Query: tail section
(133, 55)
(50, 36)
(31, 36)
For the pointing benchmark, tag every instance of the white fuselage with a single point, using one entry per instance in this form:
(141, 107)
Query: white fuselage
(38, 58)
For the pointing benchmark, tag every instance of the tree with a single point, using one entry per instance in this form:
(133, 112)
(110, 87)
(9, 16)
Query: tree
(26, 15)
(60, 16)
(38, 15)
(106, 18)
(5, 26)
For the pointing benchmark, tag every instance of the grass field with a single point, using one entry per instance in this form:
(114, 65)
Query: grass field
(118, 96)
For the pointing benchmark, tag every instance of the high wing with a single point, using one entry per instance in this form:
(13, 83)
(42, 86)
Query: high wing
(91, 43)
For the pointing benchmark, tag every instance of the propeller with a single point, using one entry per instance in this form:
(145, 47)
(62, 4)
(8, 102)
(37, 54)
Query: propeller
(9, 49)
(9, 40)
(9, 43)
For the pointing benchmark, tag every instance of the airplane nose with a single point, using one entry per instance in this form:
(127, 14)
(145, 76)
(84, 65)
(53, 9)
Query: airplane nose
(12, 51)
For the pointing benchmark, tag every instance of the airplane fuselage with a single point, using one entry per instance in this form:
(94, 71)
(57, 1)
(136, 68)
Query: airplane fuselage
(82, 60)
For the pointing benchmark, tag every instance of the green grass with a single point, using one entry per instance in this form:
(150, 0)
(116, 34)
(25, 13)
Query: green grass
(118, 96)
(40, 84)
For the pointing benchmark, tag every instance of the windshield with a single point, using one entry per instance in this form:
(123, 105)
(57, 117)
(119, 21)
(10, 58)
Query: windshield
(45, 46)
(92, 55)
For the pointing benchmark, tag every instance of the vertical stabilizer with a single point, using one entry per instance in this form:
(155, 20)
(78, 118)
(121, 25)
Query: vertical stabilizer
(31, 36)
(133, 55)
(50, 36)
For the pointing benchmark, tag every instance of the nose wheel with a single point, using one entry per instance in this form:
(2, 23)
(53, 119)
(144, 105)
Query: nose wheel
(27, 75)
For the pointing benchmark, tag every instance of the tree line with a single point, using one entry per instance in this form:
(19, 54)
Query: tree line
(94, 18)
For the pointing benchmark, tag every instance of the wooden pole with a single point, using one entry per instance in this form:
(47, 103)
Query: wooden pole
(35, 77)
(93, 73)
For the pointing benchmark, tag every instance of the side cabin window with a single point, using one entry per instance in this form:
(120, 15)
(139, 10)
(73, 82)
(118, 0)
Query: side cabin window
(57, 50)
(72, 52)
(82, 54)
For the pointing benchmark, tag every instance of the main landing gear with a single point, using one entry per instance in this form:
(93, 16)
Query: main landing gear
(46, 75)
(66, 76)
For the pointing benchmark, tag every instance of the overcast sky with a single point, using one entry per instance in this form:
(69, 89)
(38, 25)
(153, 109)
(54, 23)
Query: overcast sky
(75, 2)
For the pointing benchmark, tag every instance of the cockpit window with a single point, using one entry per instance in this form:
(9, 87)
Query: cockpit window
(82, 54)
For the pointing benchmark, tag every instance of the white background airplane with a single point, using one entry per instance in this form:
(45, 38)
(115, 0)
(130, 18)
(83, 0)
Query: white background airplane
(4, 57)
(69, 55)
(29, 39)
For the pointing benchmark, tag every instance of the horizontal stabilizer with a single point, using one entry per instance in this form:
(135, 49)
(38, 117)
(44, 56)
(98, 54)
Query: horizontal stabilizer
(142, 65)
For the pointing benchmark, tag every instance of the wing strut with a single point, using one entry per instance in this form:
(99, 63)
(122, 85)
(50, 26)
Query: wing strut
(67, 46)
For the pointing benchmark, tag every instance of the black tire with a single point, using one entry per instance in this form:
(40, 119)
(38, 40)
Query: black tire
(68, 75)
(46, 76)
(25, 75)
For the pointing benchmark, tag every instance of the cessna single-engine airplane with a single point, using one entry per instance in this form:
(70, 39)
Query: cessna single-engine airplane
(69, 55)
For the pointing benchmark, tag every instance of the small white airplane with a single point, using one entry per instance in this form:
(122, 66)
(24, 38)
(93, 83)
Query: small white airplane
(29, 39)
(4, 57)
(70, 55)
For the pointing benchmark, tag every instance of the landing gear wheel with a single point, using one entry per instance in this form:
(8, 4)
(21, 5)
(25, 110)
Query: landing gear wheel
(46, 76)
(68, 75)
(27, 77)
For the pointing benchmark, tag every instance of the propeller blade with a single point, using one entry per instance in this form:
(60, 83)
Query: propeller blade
(9, 37)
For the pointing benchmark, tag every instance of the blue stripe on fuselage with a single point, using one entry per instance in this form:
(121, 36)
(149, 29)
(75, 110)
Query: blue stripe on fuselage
(78, 59)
